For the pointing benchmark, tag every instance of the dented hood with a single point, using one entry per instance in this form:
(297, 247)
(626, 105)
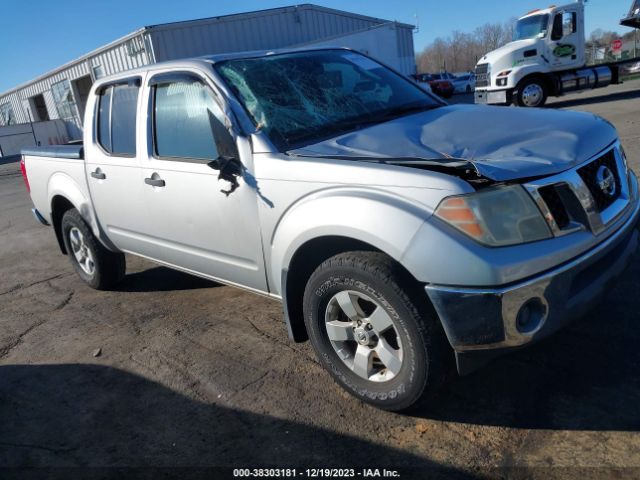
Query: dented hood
(503, 143)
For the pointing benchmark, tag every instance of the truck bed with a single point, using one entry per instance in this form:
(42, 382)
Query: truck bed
(56, 170)
(55, 151)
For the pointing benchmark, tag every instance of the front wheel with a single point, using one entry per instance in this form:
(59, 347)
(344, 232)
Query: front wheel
(373, 332)
(98, 267)
(531, 92)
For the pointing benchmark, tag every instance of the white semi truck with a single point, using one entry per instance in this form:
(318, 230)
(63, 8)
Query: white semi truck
(546, 58)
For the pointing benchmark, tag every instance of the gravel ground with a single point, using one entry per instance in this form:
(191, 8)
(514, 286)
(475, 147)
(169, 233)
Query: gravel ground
(194, 374)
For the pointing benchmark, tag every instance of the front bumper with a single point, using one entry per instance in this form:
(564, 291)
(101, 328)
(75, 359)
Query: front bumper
(493, 97)
(480, 320)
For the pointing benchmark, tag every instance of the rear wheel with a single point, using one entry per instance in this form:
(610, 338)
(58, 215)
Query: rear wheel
(373, 332)
(531, 92)
(98, 267)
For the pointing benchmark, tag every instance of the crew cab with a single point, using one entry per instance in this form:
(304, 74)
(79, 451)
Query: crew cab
(399, 233)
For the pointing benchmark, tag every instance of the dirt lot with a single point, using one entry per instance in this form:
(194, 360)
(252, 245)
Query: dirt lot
(196, 374)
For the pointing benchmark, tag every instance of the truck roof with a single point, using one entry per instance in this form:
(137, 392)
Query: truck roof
(210, 59)
(549, 9)
(265, 53)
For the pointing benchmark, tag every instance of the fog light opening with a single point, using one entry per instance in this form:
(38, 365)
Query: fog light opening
(531, 316)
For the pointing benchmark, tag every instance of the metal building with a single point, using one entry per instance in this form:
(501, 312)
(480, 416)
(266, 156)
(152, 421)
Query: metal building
(62, 93)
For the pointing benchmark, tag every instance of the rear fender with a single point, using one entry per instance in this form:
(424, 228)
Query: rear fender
(61, 184)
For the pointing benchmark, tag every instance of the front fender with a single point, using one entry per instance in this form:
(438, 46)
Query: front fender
(379, 218)
(520, 72)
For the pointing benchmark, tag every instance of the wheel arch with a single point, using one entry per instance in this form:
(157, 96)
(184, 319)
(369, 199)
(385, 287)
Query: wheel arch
(332, 222)
(304, 261)
(59, 206)
(65, 193)
(544, 78)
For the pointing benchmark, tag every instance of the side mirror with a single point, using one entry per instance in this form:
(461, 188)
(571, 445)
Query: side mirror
(230, 169)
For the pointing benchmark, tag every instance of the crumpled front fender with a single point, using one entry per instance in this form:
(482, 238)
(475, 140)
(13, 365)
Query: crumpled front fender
(378, 218)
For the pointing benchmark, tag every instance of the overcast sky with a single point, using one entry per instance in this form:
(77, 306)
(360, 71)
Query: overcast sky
(39, 35)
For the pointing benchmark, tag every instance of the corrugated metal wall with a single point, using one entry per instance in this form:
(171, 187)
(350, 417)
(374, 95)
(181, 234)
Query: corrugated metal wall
(270, 29)
(406, 52)
(132, 52)
(385, 42)
(267, 29)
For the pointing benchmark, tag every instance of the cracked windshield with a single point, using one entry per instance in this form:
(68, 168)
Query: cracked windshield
(300, 98)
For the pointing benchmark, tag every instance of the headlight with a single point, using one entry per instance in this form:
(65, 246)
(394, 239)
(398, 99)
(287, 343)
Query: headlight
(496, 217)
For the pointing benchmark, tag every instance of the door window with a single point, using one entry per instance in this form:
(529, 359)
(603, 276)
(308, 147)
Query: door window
(117, 119)
(64, 100)
(564, 24)
(7, 115)
(568, 23)
(188, 123)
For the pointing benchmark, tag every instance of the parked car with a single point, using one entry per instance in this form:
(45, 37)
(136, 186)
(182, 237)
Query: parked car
(423, 85)
(443, 76)
(439, 86)
(464, 83)
(398, 232)
(631, 69)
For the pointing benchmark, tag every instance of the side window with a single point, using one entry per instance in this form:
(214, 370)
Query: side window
(123, 119)
(6, 112)
(568, 23)
(116, 128)
(556, 33)
(564, 24)
(104, 119)
(188, 123)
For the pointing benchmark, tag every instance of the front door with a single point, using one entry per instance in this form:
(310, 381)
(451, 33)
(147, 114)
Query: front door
(566, 41)
(195, 224)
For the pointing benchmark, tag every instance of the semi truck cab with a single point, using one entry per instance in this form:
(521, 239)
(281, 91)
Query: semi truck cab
(546, 58)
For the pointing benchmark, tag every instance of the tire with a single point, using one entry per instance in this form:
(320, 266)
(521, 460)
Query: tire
(369, 281)
(100, 268)
(532, 93)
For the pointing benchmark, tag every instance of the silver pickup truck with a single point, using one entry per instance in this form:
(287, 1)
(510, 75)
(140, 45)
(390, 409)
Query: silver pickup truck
(398, 232)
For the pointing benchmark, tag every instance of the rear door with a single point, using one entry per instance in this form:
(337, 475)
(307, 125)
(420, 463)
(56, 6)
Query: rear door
(196, 222)
(112, 165)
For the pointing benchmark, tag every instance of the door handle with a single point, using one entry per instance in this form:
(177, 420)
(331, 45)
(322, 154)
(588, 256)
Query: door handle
(155, 182)
(98, 174)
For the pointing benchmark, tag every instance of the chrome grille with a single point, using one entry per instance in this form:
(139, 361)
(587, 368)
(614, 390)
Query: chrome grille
(589, 174)
(556, 207)
(575, 200)
(482, 75)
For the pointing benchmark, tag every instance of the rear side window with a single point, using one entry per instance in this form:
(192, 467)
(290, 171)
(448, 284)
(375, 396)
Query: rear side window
(187, 122)
(117, 119)
(104, 120)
